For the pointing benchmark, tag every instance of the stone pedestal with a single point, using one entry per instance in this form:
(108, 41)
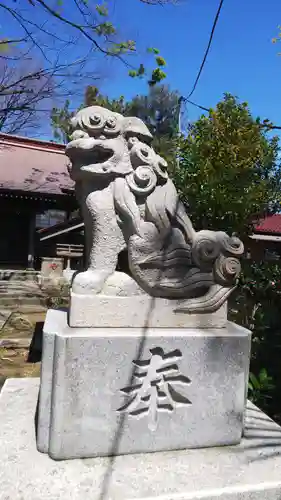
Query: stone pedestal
(248, 471)
(92, 311)
(108, 391)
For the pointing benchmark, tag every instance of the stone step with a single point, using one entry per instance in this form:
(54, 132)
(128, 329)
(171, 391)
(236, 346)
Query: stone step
(14, 282)
(21, 293)
(30, 309)
(20, 301)
(7, 275)
(22, 288)
(28, 290)
(15, 343)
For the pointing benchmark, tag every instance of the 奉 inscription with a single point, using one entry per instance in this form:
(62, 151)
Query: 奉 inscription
(154, 390)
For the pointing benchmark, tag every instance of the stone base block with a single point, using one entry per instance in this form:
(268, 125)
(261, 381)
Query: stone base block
(138, 311)
(108, 391)
(249, 471)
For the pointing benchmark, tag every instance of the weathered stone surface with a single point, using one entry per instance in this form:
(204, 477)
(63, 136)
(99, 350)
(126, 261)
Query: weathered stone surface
(128, 201)
(5, 313)
(20, 322)
(166, 388)
(138, 311)
(249, 471)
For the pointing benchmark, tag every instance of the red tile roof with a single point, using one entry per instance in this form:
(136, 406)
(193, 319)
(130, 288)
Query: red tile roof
(270, 224)
(33, 165)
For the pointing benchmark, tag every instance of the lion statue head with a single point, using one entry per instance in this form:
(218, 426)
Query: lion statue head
(105, 143)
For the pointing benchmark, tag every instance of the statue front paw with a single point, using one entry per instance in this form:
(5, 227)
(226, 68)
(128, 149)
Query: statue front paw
(89, 282)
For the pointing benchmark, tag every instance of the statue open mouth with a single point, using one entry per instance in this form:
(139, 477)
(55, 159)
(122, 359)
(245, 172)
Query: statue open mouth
(98, 155)
(91, 155)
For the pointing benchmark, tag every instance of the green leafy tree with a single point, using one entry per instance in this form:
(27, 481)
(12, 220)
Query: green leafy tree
(228, 174)
(159, 110)
(60, 121)
(94, 97)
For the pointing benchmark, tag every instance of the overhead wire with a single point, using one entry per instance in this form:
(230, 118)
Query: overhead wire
(269, 126)
(182, 99)
(215, 22)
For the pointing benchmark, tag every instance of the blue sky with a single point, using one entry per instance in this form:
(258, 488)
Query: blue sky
(242, 60)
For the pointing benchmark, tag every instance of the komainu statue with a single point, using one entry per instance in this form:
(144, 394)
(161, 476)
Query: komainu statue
(129, 202)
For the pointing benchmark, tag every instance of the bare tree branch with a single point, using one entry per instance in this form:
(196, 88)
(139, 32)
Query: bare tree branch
(160, 2)
(37, 54)
(15, 40)
(73, 25)
(28, 33)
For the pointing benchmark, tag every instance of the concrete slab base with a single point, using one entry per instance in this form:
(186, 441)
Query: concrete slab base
(249, 471)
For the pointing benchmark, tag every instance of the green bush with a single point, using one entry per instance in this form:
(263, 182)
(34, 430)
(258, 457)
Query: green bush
(256, 304)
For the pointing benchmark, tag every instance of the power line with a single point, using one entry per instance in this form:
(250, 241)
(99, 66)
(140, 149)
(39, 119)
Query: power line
(207, 49)
(268, 126)
(197, 105)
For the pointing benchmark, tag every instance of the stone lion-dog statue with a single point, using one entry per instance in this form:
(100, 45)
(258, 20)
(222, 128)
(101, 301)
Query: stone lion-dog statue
(129, 202)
